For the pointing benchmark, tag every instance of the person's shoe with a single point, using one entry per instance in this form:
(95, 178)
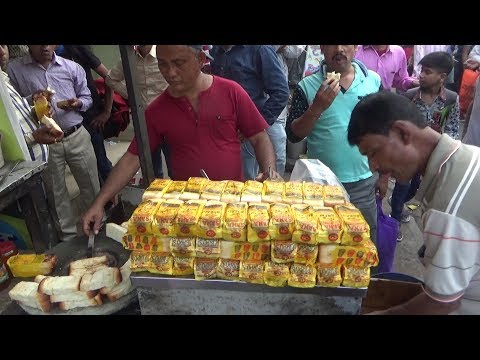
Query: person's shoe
(399, 235)
(405, 217)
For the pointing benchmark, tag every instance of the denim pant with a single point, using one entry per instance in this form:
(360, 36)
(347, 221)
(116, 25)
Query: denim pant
(278, 137)
(362, 195)
(104, 165)
(403, 192)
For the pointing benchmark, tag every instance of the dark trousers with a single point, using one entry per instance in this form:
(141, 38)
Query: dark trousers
(104, 165)
(157, 160)
(402, 193)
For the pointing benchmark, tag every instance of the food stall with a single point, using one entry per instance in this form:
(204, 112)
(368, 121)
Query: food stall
(299, 248)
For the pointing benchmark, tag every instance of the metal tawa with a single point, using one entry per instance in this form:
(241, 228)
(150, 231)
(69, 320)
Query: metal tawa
(76, 249)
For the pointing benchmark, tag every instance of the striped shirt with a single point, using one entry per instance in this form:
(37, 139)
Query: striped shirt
(28, 124)
(451, 224)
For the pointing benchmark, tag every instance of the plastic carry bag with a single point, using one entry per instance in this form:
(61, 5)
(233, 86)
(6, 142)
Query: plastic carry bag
(387, 231)
(313, 170)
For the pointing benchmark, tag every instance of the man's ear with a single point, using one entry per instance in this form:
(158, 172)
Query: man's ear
(404, 130)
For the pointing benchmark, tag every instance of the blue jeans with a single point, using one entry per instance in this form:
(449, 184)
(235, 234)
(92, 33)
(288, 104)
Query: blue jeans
(402, 193)
(104, 165)
(278, 137)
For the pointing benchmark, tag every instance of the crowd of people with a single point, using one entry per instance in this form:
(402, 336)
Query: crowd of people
(393, 113)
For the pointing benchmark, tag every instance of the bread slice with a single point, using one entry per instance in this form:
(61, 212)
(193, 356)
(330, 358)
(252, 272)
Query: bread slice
(38, 279)
(90, 270)
(56, 130)
(57, 285)
(86, 263)
(125, 271)
(74, 296)
(120, 290)
(26, 292)
(115, 232)
(68, 305)
(105, 277)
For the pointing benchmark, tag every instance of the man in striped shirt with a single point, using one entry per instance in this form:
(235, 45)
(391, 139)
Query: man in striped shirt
(390, 130)
(36, 137)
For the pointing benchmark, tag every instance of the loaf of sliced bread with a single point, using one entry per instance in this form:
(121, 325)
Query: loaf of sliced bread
(105, 277)
(58, 285)
(26, 292)
(68, 305)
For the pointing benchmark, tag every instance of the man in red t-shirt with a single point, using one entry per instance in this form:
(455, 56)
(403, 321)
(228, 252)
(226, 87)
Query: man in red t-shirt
(200, 116)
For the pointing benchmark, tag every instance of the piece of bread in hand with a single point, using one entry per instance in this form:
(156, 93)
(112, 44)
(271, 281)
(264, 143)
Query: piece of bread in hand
(56, 130)
(26, 293)
(333, 76)
(57, 285)
(63, 104)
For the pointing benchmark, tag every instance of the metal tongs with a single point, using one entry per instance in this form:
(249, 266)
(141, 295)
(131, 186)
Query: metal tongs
(270, 175)
(91, 241)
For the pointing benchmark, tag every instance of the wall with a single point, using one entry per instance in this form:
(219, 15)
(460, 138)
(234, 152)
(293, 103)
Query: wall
(108, 54)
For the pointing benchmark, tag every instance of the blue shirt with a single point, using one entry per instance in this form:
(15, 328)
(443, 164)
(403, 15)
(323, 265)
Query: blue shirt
(328, 140)
(66, 77)
(257, 69)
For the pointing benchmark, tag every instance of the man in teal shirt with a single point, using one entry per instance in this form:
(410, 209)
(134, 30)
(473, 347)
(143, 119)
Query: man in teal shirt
(321, 110)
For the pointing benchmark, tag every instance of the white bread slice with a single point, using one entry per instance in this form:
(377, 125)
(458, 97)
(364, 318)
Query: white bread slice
(50, 122)
(68, 305)
(57, 285)
(26, 293)
(125, 271)
(105, 277)
(86, 263)
(115, 232)
(38, 279)
(74, 296)
(90, 270)
(120, 290)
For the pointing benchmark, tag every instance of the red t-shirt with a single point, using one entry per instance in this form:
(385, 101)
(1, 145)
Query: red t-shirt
(207, 139)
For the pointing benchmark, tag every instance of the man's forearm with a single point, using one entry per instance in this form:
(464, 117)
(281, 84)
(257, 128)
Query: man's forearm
(119, 177)
(263, 151)
(303, 125)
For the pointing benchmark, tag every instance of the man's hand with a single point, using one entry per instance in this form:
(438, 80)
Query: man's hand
(327, 92)
(44, 135)
(70, 104)
(415, 83)
(262, 176)
(99, 121)
(381, 185)
(93, 215)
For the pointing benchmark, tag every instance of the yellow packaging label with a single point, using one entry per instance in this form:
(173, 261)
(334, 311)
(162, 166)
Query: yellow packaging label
(213, 190)
(210, 222)
(146, 243)
(160, 263)
(228, 269)
(312, 193)
(329, 276)
(251, 271)
(258, 221)
(333, 195)
(306, 254)
(141, 219)
(283, 251)
(245, 250)
(183, 265)
(359, 255)
(235, 222)
(305, 225)
(187, 216)
(281, 222)
(273, 191)
(139, 261)
(232, 191)
(355, 228)
(329, 225)
(357, 277)
(302, 276)
(205, 268)
(184, 247)
(293, 192)
(174, 190)
(276, 275)
(252, 191)
(164, 219)
(208, 248)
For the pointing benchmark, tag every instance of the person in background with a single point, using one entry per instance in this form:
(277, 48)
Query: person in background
(471, 129)
(95, 118)
(36, 72)
(199, 115)
(150, 84)
(390, 63)
(440, 107)
(321, 111)
(257, 69)
(36, 137)
(17, 51)
(390, 130)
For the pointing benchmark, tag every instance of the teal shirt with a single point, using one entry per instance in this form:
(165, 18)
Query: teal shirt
(328, 139)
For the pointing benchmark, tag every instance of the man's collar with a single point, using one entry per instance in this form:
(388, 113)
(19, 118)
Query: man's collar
(28, 59)
(442, 95)
(371, 47)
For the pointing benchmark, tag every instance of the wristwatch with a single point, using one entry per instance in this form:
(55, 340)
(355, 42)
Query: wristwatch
(29, 138)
